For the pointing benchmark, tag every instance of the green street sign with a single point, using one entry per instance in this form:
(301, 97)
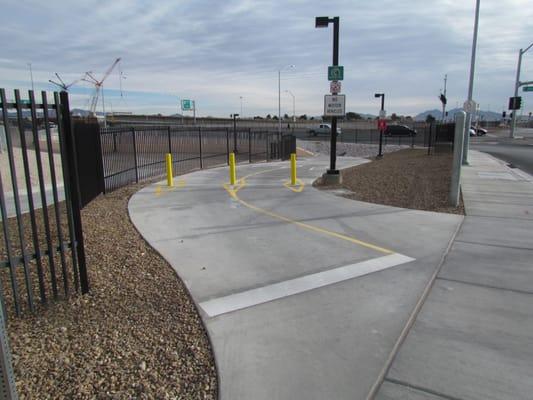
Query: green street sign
(186, 105)
(335, 73)
(528, 89)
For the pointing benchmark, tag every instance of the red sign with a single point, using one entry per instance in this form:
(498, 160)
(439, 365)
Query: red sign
(382, 124)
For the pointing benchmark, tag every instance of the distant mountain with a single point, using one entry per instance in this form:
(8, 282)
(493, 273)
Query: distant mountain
(78, 112)
(483, 115)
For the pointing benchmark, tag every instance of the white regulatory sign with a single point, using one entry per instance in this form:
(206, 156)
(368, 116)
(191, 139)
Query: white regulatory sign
(470, 106)
(335, 87)
(382, 114)
(334, 105)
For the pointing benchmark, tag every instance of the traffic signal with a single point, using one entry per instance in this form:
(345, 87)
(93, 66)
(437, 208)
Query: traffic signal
(442, 99)
(515, 103)
(504, 114)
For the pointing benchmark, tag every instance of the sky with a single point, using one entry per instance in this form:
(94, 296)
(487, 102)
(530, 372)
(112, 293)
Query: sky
(224, 54)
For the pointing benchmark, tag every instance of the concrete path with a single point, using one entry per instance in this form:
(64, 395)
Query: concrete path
(473, 338)
(304, 294)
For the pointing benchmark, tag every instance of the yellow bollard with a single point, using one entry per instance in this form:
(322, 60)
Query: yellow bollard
(170, 178)
(293, 169)
(232, 171)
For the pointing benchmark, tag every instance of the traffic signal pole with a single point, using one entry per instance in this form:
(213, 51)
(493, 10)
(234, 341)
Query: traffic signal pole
(516, 86)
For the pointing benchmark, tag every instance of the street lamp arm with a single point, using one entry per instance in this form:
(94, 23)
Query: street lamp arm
(527, 48)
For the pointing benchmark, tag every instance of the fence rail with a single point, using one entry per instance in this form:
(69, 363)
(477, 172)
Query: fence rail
(133, 154)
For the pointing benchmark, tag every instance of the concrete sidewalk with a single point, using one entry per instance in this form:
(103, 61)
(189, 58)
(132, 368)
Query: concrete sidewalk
(473, 338)
(304, 293)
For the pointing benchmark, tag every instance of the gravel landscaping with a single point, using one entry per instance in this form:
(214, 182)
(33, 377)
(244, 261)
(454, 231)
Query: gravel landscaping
(136, 335)
(406, 178)
(348, 149)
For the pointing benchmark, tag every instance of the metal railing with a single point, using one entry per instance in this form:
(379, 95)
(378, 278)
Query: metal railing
(41, 244)
(133, 154)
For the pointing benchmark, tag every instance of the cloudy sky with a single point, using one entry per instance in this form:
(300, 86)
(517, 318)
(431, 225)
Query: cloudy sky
(219, 51)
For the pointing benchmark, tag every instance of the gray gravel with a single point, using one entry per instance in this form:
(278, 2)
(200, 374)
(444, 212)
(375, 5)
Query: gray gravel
(348, 149)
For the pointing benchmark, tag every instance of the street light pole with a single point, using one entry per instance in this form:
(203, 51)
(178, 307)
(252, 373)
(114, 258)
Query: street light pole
(241, 105)
(31, 77)
(279, 96)
(466, 142)
(293, 106)
(323, 22)
(517, 85)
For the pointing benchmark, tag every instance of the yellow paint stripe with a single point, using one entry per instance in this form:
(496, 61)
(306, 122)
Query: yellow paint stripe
(242, 182)
(298, 188)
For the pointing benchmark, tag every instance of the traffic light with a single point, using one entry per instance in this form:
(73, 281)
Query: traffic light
(442, 99)
(515, 103)
(504, 114)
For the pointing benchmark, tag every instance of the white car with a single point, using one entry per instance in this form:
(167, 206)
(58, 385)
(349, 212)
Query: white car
(322, 129)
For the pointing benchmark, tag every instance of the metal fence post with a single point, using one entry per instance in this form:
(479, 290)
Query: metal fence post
(169, 141)
(75, 198)
(227, 145)
(200, 145)
(460, 118)
(8, 390)
(250, 145)
(135, 154)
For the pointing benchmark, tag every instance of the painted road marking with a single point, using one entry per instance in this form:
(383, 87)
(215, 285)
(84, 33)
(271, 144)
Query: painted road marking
(232, 191)
(253, 297)
(298, 188)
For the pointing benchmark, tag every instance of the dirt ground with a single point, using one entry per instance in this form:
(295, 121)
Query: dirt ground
(136, 335)
(407, 178)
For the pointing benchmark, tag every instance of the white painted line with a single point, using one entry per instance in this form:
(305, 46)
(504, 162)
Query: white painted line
(253, 297)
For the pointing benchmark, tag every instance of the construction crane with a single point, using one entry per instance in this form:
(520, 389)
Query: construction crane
(98, 86)
(62, 84)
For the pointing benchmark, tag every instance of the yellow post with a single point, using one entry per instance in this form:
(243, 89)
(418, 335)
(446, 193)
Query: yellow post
(170, 178)
(232, 171)
(293, 169)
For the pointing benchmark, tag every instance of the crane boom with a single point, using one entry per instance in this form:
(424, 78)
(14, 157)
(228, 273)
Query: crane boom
(108, 72)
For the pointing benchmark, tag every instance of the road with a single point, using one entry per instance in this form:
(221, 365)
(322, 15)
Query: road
(518, 152)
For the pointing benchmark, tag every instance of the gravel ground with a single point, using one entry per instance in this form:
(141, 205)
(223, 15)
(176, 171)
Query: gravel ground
(407, 178)
(347, 149)
(136, 335)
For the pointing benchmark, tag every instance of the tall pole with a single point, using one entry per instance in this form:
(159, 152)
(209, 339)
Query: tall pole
(279, 101)
(31, 77)
(471, 87)
(516, 86)
(382, 95)
(241, 105)
(444, 104)
(333, 152)
(103, 105)
(293, 105)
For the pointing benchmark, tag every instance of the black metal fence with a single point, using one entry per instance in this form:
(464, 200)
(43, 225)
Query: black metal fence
(132, 154)
(41, 240)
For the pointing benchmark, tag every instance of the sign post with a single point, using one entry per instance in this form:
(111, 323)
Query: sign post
(189, 105)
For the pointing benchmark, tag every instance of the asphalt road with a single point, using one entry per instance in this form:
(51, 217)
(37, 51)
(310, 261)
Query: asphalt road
(518, 152)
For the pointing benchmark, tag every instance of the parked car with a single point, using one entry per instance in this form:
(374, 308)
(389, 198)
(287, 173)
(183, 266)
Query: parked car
(323, 129)
(479, 131)
(399, 130)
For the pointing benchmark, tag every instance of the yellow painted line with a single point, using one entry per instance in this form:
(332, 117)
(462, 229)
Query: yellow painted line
(242, 182)
(181, 183)
(298, 188)
(158, 190)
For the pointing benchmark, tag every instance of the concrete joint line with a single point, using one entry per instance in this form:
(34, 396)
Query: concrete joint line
(440, 278)
(411, 320)
(422, 389)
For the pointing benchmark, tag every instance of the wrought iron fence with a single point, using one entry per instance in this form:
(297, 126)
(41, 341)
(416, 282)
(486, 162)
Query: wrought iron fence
(41, 245)
(133, 154)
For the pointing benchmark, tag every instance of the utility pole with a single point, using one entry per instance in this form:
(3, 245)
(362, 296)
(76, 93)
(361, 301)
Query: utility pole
(471, 88)
(445, 99)
(31, 77)
(516, 86)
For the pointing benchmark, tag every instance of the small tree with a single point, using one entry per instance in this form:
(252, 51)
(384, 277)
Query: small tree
(394, 117)
(286, 116)
(430, 118)
(304, 117)
(352, 115)
(268, 116)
